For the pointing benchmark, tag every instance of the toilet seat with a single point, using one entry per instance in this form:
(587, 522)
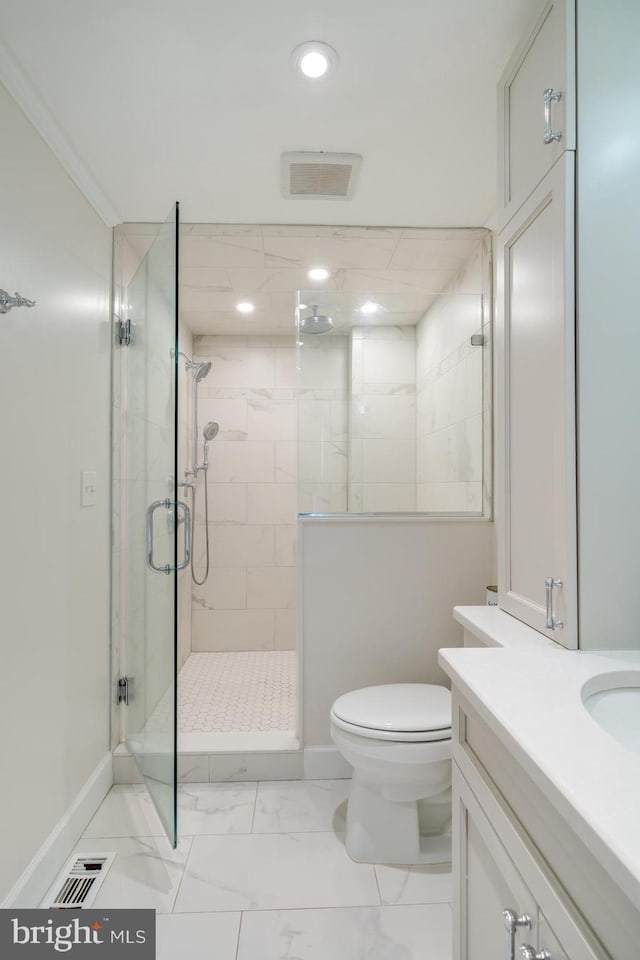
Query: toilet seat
(404, 712)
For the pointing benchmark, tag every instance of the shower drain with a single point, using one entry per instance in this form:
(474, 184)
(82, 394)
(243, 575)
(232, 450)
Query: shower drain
(77, 884)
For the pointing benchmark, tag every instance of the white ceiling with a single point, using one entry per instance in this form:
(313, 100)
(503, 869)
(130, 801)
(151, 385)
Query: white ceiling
(195, 100)
(402, 270)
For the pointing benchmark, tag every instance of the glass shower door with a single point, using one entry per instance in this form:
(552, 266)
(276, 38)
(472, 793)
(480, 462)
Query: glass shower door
(157, 527)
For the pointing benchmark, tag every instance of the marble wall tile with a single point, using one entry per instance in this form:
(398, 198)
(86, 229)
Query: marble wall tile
(449, 497)
(230, 414)
(249, 462)
(215, 630)
(286, 461)
(256, 766)
(224, 589)
(251, 391)
(275, 503)
(322, 462)
(379, 417)
(389, 497)
(334, 252)
(386, 361)
(286, 536)
(286, 368)
(241, 367)
(230, 251)
(314, 420)
(389, 461)
(271, 419)
(241, 546)
(271, 587)
(285, 629)
(227, 503)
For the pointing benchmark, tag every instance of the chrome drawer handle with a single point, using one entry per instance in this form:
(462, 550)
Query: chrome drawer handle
(552, 623)
(511, 923)
(527, 952)
(550, 96)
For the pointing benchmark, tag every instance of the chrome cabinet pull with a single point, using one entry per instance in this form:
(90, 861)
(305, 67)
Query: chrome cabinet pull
(168, 505)
(552, 623)
(527, 952)
(550, 96)
(511, 923)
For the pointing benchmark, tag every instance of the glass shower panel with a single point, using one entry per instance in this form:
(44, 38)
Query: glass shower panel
(152, 528)
(394, 409)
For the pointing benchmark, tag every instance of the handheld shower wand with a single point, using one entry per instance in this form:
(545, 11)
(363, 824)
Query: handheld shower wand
(210, 431)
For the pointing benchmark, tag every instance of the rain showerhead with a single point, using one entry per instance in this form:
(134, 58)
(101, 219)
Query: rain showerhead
(316, 322)
(201, 370)
(210, 430)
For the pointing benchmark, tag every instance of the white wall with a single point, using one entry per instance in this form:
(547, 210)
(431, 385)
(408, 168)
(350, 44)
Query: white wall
(608, 191)
(377, 599)
(54, 562)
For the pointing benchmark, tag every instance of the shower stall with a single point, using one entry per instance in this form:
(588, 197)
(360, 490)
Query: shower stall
(368, 395)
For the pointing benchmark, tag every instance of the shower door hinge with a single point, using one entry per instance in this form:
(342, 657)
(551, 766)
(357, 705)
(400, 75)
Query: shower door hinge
(125, 333)
(123, 690)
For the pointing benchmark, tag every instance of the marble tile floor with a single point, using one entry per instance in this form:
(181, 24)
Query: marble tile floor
(261, 873)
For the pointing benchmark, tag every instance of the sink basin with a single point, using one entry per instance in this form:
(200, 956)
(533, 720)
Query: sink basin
(613, 700)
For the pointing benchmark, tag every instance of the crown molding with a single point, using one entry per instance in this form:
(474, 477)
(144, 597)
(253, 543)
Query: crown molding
(27, 97)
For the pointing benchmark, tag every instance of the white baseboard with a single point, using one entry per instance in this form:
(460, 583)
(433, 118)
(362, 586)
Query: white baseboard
(34, 882)
(325, 763)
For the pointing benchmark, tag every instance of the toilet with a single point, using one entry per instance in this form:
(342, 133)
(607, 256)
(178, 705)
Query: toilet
(397, 737)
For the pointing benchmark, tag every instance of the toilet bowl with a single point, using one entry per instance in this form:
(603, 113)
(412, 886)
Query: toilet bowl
(397, 737)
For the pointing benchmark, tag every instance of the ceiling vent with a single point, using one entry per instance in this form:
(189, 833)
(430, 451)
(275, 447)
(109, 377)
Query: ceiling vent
(327, 176)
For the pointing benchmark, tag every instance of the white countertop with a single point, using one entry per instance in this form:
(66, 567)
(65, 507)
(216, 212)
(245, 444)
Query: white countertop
(528, 691)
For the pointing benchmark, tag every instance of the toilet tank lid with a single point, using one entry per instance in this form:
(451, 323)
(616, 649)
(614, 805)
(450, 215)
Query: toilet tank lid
(402, 707)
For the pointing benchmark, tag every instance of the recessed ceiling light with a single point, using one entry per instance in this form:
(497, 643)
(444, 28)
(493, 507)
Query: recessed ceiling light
(369, 307)
(318, 273)
(314, 59)
(245, 307)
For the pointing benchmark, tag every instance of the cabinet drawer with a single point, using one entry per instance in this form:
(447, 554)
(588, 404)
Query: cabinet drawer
(536, 128)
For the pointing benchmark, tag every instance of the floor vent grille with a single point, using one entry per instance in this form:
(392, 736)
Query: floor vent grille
(77, 885)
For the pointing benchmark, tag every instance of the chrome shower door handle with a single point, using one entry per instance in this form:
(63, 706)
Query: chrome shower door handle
(168, 505)
(552, 623)
(181, 505)
(550, 96)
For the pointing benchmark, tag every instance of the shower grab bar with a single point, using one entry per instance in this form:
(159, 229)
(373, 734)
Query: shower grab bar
(169, 505)
(7, 302)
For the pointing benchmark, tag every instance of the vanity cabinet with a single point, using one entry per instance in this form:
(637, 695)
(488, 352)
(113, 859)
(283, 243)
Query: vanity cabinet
(512, 853)
(536, 106)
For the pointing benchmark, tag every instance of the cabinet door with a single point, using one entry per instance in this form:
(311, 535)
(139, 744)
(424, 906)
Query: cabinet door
(545, 61)
(485, 884)
(535, 332)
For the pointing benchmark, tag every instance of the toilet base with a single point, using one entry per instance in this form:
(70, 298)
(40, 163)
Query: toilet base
(380, 830)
